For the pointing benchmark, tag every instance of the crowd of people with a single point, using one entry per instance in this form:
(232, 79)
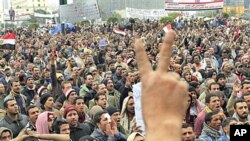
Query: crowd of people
(79, 86)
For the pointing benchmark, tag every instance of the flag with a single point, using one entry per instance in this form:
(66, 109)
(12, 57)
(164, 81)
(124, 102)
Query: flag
(118, 31)
(167, 28)
(8, 41)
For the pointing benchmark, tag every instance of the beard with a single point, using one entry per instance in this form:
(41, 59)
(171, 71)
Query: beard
(243, 115)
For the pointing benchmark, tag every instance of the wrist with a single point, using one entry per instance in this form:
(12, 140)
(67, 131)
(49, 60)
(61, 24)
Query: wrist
(166, 129)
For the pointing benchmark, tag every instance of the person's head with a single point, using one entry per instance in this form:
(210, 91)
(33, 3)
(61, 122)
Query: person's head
(196, 59)
(221, 95)
(245, 86)
(66, 85)
(61, 126)
(212, 74)
(213, 102)
(35, 71)
(59, 77)
(70, 95)
(44, 122)
(226, 68)
(109, 84)
(88, 79)
(114, 113)
(30, 82)
(101, 89)
(213, 120)
(11, 107)
(136, 136)
(7, 72)
(187, 75)
(241, 109)
(131, 77)
(187, 132)
(5, 134)
(130, 105)
(213, 87)
(71, 115)
(239, 67)
(221, 79)
(246, 97)
(118, 70)
(15, 86)
(101, 100)
(193, 93)
(177, 68)
(74, 71)
(101, 120)
(196, 85)
(79, 104)
(119, 58)
(32, 113)
(47, 101)
(2, 89)
(226, 124)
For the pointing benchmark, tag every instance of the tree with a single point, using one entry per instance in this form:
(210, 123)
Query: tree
(232, 12)
(225, 15)
(33, 26)
(115, 18)
(41, 11)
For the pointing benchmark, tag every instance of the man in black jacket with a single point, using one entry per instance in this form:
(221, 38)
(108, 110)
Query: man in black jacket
(77, 130)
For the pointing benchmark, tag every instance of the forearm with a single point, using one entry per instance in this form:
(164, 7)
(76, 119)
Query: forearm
(230, 103)
(56, 137)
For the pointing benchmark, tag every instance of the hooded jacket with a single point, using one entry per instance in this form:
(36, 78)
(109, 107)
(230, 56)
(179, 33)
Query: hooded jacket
(4, 129)
(125, 122)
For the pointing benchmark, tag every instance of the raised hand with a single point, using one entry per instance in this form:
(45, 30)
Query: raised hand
(111, 129)
(164, 96)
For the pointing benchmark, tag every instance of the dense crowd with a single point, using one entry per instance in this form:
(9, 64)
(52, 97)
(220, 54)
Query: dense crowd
(79, 85)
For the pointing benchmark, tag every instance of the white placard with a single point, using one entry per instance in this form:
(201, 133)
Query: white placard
(138, 108)
(145, 13)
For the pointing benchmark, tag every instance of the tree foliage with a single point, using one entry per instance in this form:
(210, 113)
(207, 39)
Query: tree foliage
(33, 26)
(170, 17)
(225, 15)
(41, 11)
(116, 17)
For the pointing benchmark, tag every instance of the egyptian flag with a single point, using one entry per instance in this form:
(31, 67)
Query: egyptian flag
(118, 31)
(8, 41)
(167, 28)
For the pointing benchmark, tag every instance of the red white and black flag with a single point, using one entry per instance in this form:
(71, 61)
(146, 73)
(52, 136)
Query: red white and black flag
(8, 41)
(118, 31)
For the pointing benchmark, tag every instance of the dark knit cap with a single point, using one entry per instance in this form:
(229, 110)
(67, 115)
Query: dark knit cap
(29, 77)
(68, 109)
(44, 98)
(105, 81)
(194, 84)
(220, 75)
(111, 110)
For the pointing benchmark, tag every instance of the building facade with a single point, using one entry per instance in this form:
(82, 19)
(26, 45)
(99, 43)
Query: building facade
(29, 6)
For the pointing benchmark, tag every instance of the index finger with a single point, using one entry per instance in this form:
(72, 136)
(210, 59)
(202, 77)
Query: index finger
(142, 58)
(166, 51)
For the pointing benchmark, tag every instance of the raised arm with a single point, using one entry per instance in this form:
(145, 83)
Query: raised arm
(164, 96)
